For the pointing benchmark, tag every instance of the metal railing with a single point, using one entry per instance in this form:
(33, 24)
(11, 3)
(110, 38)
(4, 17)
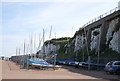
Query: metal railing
(101, 16)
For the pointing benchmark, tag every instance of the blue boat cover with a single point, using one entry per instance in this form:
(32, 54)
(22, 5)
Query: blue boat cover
(41, 61)
(70, 60)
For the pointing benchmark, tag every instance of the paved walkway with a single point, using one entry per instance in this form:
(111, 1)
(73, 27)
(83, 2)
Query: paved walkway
(0, 69)
(12, 71)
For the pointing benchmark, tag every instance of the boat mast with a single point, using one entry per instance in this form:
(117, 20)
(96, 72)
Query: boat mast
(50, 32)
(34, 46)
(43, 44)
(19, 57)
(31, 47)
(16, 59)
(27, 54)
(40, 40)
(24, 56)
(55, 35)
(50, 36)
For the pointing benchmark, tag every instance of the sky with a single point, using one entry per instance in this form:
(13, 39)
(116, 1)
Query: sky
(21, 19)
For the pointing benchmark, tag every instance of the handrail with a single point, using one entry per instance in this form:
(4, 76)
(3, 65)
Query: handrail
(101, 16)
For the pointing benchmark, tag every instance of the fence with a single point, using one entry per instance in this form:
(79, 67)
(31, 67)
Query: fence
(101, 16)
(103, 60)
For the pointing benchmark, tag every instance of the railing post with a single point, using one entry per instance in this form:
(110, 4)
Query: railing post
(103, 15)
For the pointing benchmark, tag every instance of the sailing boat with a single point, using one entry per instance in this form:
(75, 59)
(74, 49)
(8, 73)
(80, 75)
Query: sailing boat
(41, 62)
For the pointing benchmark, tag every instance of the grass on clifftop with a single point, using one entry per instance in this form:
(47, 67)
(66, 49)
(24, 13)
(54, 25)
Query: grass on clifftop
(58, 40)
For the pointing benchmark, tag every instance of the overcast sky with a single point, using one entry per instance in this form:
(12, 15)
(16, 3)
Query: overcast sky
(20, 19)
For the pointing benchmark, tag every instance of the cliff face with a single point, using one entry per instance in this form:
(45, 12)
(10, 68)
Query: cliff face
(102, 36)
(115, 42)
(114, 35)
(50, 48)
(79, 42)
(111, 28)
(97, 36)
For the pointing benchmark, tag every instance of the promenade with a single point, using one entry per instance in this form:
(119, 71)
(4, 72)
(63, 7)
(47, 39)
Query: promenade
(12, 71)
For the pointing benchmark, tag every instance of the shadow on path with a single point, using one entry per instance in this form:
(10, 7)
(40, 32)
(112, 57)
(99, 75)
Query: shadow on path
(92, 73)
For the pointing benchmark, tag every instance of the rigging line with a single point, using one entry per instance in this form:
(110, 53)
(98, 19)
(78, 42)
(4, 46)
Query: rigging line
(40, 40)
(39, 45)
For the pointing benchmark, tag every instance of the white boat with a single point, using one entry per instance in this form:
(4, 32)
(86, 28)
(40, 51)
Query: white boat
(42, 63)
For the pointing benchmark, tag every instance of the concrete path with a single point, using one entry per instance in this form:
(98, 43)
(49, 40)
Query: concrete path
(0, 69)
(12, 71)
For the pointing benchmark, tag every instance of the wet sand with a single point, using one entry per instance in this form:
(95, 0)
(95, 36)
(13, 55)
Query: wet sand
(12, 71)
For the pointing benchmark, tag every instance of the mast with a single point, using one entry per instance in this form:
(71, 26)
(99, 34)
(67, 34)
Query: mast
(27, 55)
(24, 48)
(34, 47)
(50, 36)
(31, 42)
(24, 56)
(55, 35)
(43, 44)
(16, 59)
(72, 31)
(19, 57)
(50, 32)
(55, 54)
(39, 43)
(40, 40)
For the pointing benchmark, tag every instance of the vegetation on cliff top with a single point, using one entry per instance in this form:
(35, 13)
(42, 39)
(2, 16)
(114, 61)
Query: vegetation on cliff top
(58, 40)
